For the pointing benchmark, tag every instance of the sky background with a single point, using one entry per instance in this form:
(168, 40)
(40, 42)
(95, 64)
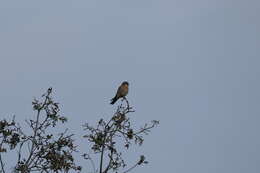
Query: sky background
(193, 65)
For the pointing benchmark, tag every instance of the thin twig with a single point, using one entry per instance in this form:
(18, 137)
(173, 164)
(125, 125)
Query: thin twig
(1, 160)
(131, 168)
(2, 164)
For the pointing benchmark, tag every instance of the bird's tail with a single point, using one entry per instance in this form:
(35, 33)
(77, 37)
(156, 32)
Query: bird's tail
(113, 100)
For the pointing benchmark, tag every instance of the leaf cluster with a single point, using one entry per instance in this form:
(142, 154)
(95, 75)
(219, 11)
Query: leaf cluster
(40, 150)
(109, 136)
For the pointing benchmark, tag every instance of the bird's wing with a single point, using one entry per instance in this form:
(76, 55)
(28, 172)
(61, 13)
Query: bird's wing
(119, 91)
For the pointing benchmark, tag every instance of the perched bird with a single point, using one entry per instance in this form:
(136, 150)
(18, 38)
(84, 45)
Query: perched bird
(122, 91)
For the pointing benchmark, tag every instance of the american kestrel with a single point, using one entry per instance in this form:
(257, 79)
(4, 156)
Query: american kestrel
(122, 91)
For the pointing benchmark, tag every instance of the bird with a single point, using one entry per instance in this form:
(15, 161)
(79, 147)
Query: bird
(122, 91)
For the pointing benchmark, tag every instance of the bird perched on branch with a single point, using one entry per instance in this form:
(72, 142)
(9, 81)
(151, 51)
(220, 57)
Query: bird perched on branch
(122, 91)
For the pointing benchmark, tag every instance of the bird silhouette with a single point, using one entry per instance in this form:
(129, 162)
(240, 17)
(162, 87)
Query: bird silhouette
(122, 91)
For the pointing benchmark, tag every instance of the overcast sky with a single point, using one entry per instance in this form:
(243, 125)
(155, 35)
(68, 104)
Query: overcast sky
(193, 65)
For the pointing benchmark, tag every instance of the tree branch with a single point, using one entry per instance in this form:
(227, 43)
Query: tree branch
(2, 164)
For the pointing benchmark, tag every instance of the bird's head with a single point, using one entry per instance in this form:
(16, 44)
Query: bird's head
(125, 83)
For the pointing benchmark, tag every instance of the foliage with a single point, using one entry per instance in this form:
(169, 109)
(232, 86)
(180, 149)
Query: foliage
(41, 150)
(106, 135)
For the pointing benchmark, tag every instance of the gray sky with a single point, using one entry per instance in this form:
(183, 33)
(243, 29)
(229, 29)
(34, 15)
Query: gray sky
(193, 65)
